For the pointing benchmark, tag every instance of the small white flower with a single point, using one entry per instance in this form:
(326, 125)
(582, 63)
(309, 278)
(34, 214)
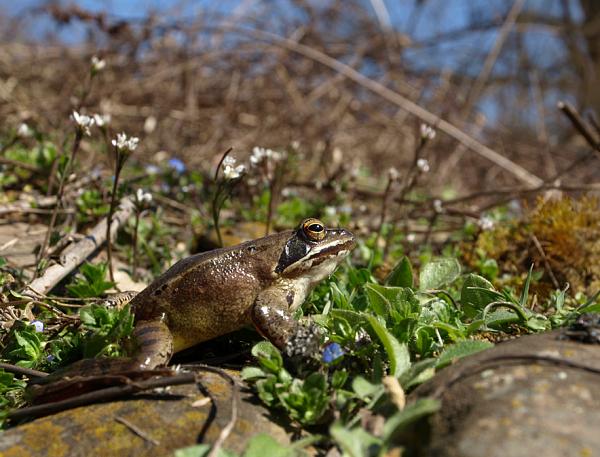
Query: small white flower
(423, 165)
(437, 206)
(98, 64)
(485, 223)
(24, 131)
(143, 197)
(411, 237)
(427, 132)
(101, 119)
(233, 172)
(393, 174)
(133, 142)
(229, 161)
(83, 122)
(258, 154)
(125, 144)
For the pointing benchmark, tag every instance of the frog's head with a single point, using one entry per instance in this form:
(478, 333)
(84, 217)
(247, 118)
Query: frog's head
(313, 252)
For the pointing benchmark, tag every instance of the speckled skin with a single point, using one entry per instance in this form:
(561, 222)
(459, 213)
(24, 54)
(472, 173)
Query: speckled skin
(217, 292)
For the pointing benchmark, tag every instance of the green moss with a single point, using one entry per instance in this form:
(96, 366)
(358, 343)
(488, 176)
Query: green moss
(567, 232)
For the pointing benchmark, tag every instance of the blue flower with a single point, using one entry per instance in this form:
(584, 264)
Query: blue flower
(331, 352)
(176, 165)
(50, 358)
(39, 325)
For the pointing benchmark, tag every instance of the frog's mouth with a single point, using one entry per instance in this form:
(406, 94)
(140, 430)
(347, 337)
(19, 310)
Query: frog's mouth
(339, 249)
(322, 260)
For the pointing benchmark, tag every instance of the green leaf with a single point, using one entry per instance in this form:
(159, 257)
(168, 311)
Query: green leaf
(252, 373)
(339, 378)
(419, 372)
(401, 275)
(501, 317)
(201, 450)
(438, 272)
(365, 389)
(477, 292)
(268, 356)
(459, 350)
(525, 291)
(397, 301)
(398, 354)
(262, 445)
(355, 442)
(411, 413)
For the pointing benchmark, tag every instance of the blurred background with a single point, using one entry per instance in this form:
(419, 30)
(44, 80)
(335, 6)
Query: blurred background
(348, 82)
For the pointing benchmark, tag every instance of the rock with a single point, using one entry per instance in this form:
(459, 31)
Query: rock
(182, 418)
(536, 395)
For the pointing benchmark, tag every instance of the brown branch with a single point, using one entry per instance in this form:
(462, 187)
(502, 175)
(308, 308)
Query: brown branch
(397, 99)
(74, 255)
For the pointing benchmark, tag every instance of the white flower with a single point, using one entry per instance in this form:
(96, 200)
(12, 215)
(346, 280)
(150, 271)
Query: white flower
(123, 143)
(143, 197)
(231, 172)
(98, 64)
(258, 154)
(437, 206)
(83, 122)
(24, 131)
(101, 119)
(229, 161)
(411, 237)
(427, 132)
(393, 174)
(485, 223)
(423, 165)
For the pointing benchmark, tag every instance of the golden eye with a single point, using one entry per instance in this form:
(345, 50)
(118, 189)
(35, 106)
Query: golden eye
(313, 229)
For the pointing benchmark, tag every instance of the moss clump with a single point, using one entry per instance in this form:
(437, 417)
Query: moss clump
(567, 231)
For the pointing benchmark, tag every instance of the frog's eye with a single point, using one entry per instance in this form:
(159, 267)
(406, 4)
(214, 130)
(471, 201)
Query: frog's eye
(313, 229)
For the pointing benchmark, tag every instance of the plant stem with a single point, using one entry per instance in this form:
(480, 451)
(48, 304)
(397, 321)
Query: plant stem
(135, 245)
(113, 204)
(59, 197)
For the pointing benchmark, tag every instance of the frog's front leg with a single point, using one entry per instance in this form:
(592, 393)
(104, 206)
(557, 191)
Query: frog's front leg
(155, 344)
(273, 319)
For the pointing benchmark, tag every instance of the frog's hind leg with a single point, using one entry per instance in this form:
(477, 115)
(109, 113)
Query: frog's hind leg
(155, 343)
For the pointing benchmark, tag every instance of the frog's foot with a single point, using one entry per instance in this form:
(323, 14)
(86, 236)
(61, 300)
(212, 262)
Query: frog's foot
(119, 300)
(304, 342)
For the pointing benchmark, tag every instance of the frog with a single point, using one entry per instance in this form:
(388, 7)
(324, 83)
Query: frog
(261, 282)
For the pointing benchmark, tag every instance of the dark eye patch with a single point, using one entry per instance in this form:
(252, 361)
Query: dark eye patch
(294, 250)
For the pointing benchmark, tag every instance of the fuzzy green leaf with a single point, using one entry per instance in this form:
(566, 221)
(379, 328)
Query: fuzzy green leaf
(411, 413)
(438, 272)
(459, 350)
(397, 353)
(401, 275)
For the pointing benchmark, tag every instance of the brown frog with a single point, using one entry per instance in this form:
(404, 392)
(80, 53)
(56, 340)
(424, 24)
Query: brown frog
(260, 282)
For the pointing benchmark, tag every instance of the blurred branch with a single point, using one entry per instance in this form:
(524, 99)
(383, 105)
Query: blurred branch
(397, 99)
